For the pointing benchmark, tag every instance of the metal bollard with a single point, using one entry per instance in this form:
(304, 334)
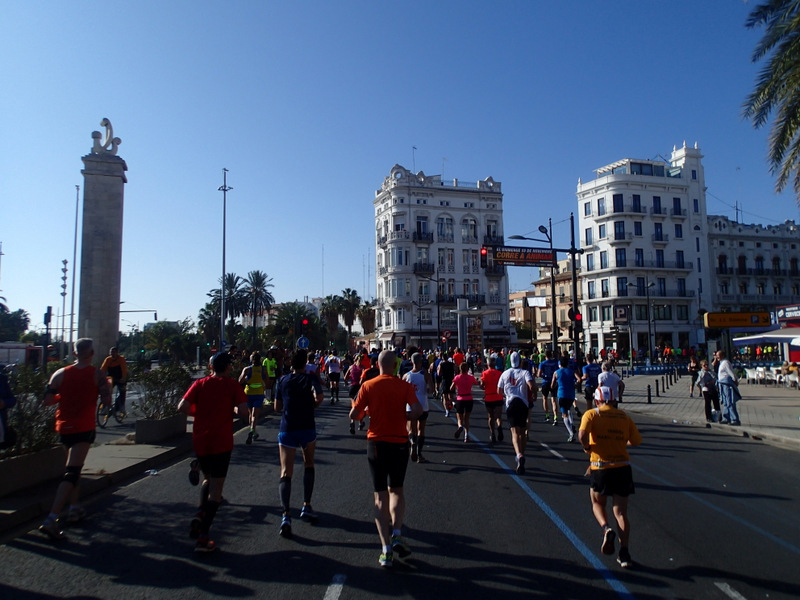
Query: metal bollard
(656, 388)
(663, 384)
(649, 395)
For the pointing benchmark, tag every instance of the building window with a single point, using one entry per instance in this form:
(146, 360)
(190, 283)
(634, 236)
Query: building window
(622, 286)
(640, 310)
(422, 224)
(601, 232)
(723, 287)
(592, 314)
(742, 266)
(696, 205)
(660, 259)
(637, 228)
(587, 235)
(604, 260)
(694, 173)
(679, 259)
(662, 312)
(604, 288)
(637, 203)
(618, 204)
(400, 315)
(658, 232)
(678, 230)
(760, 288)
(601, 207)
(681, 287)
(759, 265)
(619, 230)
(639, 257)
(777, 289)
(697, 244)
(661, 286)
(656, 205)
(682, 312)
(621, 256)
(606, 313)
(590, 290)
(587, 209)
(676, 206)
(590, 262)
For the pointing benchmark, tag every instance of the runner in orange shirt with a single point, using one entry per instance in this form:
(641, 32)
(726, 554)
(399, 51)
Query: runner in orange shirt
(386, 397)
(493, 400)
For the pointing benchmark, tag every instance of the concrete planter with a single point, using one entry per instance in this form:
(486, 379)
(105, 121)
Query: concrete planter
(27, 470)
(153, 431)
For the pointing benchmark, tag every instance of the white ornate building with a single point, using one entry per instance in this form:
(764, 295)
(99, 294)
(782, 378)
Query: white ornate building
(428, 238)
(644, 231)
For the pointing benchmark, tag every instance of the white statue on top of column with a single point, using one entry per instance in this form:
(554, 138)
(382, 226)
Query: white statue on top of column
(109, 145)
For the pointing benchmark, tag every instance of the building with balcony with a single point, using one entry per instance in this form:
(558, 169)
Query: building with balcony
(755, 266)
(428, 238)
(646, 269)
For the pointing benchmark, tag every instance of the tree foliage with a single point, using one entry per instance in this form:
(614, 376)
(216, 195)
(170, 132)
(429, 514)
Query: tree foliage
(777, 88)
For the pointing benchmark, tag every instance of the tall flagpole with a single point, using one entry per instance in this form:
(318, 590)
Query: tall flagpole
(224, 189)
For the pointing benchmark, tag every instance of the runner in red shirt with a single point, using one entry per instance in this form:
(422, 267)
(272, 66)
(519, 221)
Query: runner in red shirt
(75, 389)
(493, 400)
(213, 400)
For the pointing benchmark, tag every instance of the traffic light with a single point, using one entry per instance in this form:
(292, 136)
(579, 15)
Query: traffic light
(578, 323)
(303, 328)
(48, 315)
(484, 257)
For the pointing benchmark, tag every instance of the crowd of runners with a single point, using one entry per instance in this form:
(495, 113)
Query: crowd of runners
(391, 394)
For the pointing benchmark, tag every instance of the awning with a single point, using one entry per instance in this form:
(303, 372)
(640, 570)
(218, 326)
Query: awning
(787, 335)
(386, 336)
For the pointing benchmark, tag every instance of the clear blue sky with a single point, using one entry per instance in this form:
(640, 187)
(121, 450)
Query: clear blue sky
(310, 104)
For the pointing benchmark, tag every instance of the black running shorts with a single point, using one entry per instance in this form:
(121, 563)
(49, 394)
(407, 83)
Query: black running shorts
(84, 437)
(517, 413)
(215, 465)
(387, 463)
(612, 482)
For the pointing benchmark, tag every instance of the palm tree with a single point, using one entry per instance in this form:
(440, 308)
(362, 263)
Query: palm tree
(778, 87)
(259, 298)
(350, 303)
(366, 314)
(208, 321)
(235, 301)
(330, 311)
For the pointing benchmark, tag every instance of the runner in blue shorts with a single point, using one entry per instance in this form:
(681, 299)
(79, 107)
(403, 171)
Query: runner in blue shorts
(298, 395)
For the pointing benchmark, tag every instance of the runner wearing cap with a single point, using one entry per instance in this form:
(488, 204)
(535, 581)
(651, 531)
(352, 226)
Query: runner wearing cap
(519, 389)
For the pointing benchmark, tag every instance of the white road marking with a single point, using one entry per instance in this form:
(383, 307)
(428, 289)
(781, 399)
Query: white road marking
(335, 588)
(729, 591)
(553, 452)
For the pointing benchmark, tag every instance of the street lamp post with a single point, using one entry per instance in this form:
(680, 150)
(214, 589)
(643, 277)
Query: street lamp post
(648, 285)
(419, 306)
(224, 189)
(548, 233)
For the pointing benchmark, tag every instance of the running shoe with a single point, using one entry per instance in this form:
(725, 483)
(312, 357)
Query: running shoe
(555, 422)
(466, 436)
(608, 542)
(255, 435)
(249, 438)
(421, 459)
(446, 412)
(50, 529)
(352, 428)
(385, 560)
(499, 434)
(400, 547)
(492, 438)
(458, 432)
(194, 473)
(624, 558)
(571, 437)
(286, 527)
(205, 545)
(577, 411)
(76, 515)
(307, 514)
(360, 425)
(414, 454)
(520, 465)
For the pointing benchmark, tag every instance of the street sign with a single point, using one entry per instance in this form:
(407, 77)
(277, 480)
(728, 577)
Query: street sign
(447, 333)
(621, 315)
(522, 257)
(786, 313)
(732, 319)
(213, 349)
(302, 342)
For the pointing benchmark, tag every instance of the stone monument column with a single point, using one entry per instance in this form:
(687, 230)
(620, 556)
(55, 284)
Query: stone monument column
(101, 242)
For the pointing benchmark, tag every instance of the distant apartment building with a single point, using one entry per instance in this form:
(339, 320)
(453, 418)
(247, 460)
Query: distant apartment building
(428, 238)
(755, 266)
(646, 268)
(655, 260)
(544, 315)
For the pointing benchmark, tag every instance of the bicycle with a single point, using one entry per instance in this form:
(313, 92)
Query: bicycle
(104, 413)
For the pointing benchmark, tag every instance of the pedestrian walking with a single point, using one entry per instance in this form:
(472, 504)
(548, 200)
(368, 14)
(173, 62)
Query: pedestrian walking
(729, 395)
(605, 434)
(298, 395)
(75, 390)
(212, 401)
(386, 398)
(706, 383)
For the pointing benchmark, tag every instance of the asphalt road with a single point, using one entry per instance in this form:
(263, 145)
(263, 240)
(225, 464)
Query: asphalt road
(713, 517)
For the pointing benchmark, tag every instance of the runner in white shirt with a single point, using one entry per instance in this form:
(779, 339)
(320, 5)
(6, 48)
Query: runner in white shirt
(423, 385)
(519, 390)
(333, 367)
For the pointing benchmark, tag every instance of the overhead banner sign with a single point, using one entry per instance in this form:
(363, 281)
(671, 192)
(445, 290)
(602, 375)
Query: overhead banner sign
(522, 257)
(740, 319)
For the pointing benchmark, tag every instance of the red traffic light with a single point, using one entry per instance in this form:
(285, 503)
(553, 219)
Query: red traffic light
(578, 316)
(305, 321)
(484, 251)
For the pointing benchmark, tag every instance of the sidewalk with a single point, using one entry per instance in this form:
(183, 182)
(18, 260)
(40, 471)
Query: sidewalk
(770, 414)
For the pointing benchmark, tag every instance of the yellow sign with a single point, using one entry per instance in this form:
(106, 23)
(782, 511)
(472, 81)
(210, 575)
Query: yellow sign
(732, 319)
